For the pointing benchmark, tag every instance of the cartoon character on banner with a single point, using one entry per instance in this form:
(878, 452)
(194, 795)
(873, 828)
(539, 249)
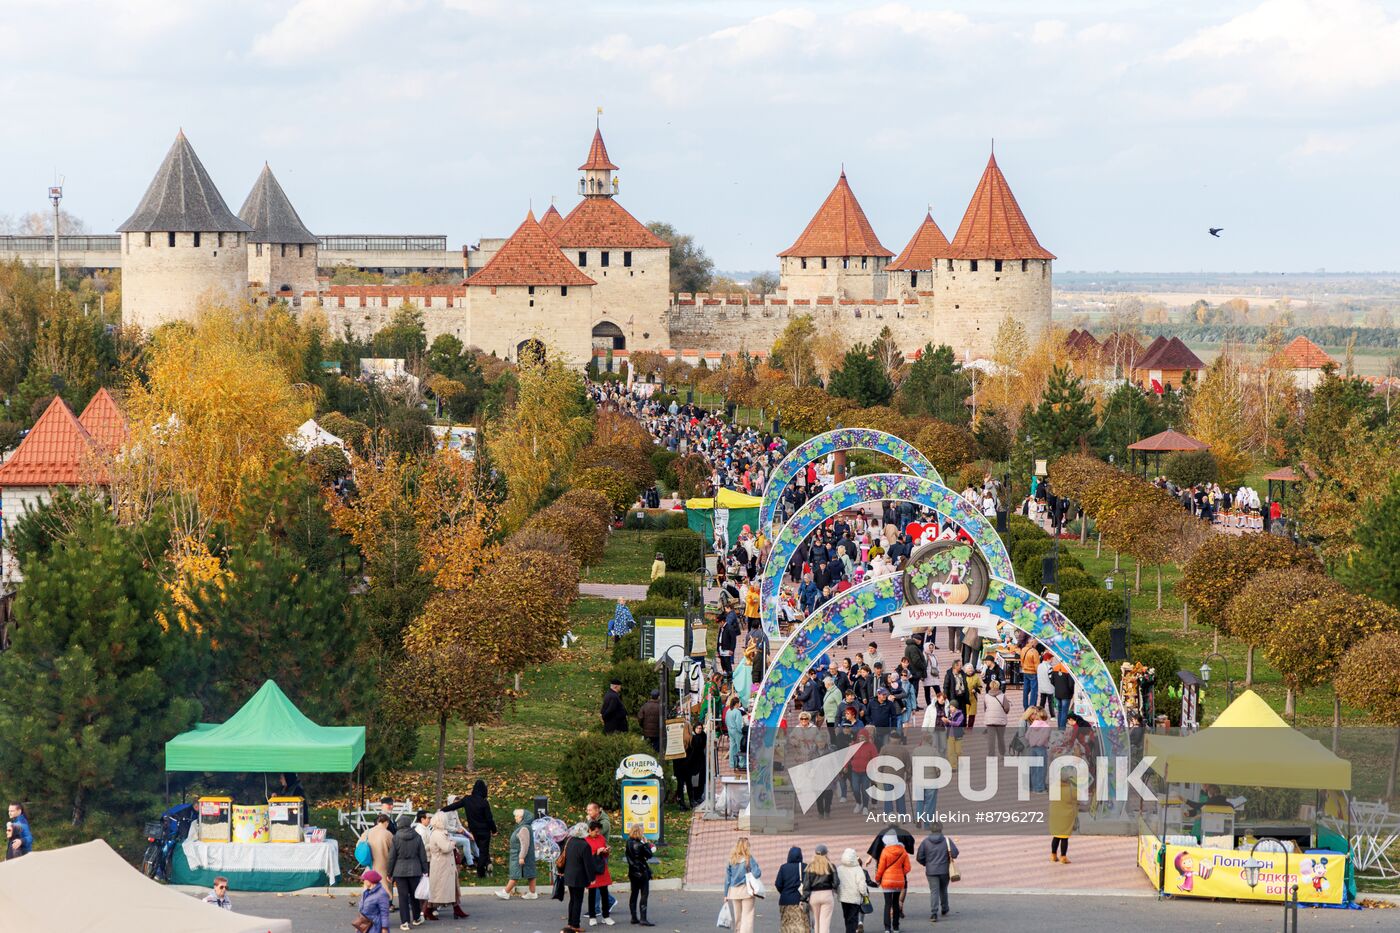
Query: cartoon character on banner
(1313, 871)
(1190, 868)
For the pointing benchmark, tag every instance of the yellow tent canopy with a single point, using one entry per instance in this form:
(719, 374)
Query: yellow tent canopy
(1248, 744)
(727, 499)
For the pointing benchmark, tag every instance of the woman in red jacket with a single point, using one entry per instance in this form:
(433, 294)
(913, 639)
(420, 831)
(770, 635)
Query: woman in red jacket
(598, 890)
(891, 875)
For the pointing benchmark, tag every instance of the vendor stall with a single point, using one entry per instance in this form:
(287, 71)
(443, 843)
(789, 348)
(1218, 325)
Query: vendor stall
(729, 510)
(1202, 843)
(269, 735)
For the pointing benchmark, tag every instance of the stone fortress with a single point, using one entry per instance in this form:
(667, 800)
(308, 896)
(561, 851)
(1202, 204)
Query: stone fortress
(595, 281)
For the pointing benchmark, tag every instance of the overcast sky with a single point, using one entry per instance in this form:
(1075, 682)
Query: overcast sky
(1125, 128)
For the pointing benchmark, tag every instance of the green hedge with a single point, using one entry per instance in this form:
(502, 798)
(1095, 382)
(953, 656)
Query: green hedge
(656, 608)
(1165, 661)
(1029, 568)
(1100, 639)
(653, 519)
(639, 679)
(629, 646)
(1072, 578)
(661, 460)
(587, 768)
(677, 586)
(1088, 609)
(680, 548)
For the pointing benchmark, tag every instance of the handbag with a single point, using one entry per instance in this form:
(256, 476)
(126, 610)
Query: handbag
(953, 873)
(755, 885)
(362, 924)
(363, 854)
(558, 892)
(725, 920)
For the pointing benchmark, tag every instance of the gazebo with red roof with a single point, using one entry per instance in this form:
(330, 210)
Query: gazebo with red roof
(1167, 441)
(837, 254)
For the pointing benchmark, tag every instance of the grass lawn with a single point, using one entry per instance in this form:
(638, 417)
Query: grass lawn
(520, 757)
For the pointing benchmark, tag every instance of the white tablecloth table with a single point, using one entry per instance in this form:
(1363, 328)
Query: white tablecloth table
(263, 857)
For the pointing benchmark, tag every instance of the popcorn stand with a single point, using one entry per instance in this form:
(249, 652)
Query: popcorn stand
(1202, 843)
(261, 845)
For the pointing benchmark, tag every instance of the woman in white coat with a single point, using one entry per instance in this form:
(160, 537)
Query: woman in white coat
(851, 889)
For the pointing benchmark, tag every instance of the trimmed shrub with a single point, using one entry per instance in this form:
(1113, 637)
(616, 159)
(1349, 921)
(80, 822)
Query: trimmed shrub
(631, 462)
(656, 607)
(639, 679)
(590, 500)
(326, 463)
(1191, 468)
(1027, 547)
(1030, 568)
(579, 528)
(1090, 608)
(629, 646)
(588, 765)
(619, 490)
(675, 586)
(681, 549)
(1072, 578)
(1164, 660)
(676, 520)
(661, 461)
(692, 475)
(1100, 639)
(653, 519)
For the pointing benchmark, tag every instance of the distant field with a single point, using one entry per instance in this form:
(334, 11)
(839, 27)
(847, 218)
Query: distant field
(1185, 299)
(1368, 361)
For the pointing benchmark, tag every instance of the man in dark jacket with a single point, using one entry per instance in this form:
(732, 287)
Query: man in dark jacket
(481, 822)
(408, 861)
(1063, 682)
(883, 712)
(614, 713)
(935, 854)
(728, 642)
(955, 686)
(649, 716)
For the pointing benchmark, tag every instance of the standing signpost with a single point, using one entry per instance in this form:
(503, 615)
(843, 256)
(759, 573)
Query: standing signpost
(640, 776)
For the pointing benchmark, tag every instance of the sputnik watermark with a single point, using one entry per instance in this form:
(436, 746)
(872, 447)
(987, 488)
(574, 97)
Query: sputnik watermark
(893, 778)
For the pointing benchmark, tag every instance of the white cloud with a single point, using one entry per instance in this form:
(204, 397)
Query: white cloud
(1324, 45)
(1048, 31)
(315, 27)
(1325, 145)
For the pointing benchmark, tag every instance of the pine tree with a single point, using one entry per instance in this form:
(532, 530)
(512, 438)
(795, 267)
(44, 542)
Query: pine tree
(1064, 419)
(1373, 567)
(93, 686)
(936, 385)
(1128, 416)
(861, 379)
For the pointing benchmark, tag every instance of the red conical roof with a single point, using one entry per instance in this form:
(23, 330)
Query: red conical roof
(529, 257)
(551, 220)
(927, 244)
(597, 155)
(839, 228)
(57, 451)
(993, 226)
(104, 421)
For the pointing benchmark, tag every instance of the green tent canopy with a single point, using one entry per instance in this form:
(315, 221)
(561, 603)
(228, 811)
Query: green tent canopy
(268, 734)
(742, 510)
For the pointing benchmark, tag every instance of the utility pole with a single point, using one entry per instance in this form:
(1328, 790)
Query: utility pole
(56, 195)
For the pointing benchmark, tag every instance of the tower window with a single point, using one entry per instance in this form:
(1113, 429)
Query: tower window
(1023, 265)
(950, 265)
(845, 262)
(221, 239)
(563, 291)
(532, 289)
(972, 265)
(284, 250)
(196, 240)
(301, 250)
(804, 262)
(257, 250)
(863, 261)
(996, 265)
(148, 239)
(603, 259)
(627, 258)
(913, 280)
(171, 238)
(823, 262)
(582, 258)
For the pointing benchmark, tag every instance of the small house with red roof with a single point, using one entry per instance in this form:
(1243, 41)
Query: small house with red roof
(1167, 364)
(61, 450)
(837, 254)
(1304, 360)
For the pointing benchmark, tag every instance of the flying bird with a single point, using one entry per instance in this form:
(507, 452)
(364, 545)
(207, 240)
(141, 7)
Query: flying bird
(1215, 231)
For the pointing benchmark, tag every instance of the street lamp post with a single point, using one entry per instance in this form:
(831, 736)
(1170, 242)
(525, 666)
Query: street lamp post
(1290, 888)
(1229, 681)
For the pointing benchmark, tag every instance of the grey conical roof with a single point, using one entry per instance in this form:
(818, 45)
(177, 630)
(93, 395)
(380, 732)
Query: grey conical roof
(182, 198)
(269, 212)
